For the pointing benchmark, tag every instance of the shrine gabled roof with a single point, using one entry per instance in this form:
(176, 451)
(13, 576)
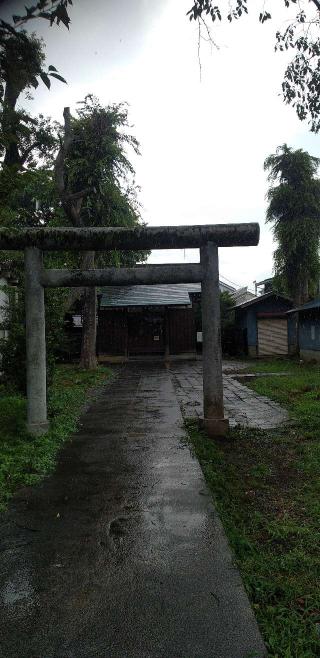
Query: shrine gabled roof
(153, 295)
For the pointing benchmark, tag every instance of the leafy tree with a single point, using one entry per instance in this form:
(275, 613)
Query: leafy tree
(301, 82)
(228, 337)
(226, 305)
(13, 347)
(25, 142)
(228, 341)
(22, 63)
(27, 195)
(28, 199)
(94, 182)
(55, 11)
(92, 154)
(294, 211)
(33, 202)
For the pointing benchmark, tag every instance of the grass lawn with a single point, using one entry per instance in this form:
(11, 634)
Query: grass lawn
(266, 485)
(25, 459)
(292, 366)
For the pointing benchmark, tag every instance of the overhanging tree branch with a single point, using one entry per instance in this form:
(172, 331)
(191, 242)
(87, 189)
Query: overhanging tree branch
(28, 151)
(301, 83)
(317, 4)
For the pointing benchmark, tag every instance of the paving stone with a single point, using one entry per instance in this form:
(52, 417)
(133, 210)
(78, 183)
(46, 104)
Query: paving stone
(242, 405)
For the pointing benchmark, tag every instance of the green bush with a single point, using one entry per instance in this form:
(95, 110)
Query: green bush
(13, 347)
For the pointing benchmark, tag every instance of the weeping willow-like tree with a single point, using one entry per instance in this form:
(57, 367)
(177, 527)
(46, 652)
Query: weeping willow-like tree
(95, 183)
(294, 212)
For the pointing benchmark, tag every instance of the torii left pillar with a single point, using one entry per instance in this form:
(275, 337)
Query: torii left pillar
(37, 422)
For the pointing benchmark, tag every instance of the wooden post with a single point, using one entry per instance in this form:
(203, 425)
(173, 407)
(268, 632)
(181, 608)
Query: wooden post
(214, 421)
(167, 335)
(126, 353)
(35, 344)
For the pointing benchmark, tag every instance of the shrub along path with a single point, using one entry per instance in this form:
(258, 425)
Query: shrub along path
(120, 553)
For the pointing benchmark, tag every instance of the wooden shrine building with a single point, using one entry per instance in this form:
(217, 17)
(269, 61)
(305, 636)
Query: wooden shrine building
(156, 320)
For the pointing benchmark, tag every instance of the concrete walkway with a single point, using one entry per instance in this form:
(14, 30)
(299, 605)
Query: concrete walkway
(120, 553)
(242, 405)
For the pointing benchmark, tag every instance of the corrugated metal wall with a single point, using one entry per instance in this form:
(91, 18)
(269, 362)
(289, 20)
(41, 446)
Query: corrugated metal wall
(272, 336)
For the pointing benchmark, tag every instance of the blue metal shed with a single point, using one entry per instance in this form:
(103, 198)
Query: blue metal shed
(264, 327)
(309, 329)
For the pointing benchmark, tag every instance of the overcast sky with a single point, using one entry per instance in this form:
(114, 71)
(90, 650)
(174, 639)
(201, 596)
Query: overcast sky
(203, 142)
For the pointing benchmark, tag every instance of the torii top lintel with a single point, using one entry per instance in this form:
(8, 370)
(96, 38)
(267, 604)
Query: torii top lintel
(141, 237)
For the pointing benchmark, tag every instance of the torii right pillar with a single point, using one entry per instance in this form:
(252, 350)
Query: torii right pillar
(214, 421)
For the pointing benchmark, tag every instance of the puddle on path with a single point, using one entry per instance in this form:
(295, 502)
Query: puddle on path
(18, 589)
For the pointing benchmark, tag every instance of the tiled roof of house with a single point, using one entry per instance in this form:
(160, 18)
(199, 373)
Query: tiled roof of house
(260, 298)
(242, 295)
(315, 303)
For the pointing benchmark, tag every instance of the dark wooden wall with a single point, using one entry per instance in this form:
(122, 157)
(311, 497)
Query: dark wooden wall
(182, 330)
(112, 332)
(147, 331)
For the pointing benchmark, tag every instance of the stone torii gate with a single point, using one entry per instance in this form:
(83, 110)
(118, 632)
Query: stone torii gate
(207, 238)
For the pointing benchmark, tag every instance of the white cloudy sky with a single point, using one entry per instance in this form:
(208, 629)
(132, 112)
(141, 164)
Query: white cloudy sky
(203, 143)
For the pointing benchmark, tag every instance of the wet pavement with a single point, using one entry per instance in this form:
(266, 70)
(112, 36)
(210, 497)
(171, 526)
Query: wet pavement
(120, 553)
(242, 405)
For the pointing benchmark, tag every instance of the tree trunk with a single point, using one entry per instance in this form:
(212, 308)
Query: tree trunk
(72, 204)
(9, 125)
(88, 359)
(301, 291)
(304, 290)
(297, 294)
(294, 348)
(300, 297)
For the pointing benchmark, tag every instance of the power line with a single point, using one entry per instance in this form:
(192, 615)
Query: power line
(237, 285)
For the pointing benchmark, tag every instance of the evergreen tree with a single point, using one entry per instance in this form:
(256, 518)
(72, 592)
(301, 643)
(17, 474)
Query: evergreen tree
(294, 212)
